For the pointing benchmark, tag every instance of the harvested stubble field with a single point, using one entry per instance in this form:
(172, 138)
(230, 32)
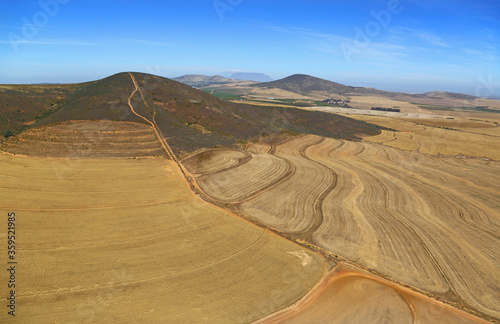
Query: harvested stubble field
(215, 161)
(460, 137)
(259, 172)
(125, 241)
(308, 182)
(427, 222)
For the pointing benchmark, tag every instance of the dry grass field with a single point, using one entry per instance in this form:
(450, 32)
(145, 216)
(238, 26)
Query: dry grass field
(125, 241)
(428, 222)
(366, 111)
(486, 126)
(264, 104)
(264, 93)
(367, 102)
(292, 211)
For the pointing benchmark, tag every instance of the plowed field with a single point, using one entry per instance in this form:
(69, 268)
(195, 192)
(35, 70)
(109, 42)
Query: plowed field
(427, 222)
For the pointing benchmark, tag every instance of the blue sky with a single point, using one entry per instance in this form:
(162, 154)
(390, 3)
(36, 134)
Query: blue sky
(406, 45)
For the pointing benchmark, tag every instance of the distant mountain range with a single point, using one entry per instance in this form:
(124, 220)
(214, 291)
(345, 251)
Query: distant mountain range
(251, 76)
(199, 81)
(308, 85)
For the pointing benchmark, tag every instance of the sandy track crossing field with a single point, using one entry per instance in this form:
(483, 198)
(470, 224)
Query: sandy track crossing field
(347, 296)
(125, 241)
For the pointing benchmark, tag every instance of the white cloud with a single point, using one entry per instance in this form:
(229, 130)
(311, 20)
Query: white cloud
(431, 38)
(406, 34)
(331, 44)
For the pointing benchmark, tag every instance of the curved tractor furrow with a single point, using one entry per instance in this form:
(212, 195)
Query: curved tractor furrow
(293, 211)
(451, 240)
(212, 161)
(244, 181)
(395, 253)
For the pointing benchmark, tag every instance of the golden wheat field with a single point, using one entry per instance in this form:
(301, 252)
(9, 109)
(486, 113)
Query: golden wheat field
(125, 241)
(428, 222)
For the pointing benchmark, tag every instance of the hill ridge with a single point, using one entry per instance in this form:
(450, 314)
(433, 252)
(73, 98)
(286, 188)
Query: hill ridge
(306, 84)
(192, 119)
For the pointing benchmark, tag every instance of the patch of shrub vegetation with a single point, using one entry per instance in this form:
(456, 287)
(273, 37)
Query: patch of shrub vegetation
(8, 133)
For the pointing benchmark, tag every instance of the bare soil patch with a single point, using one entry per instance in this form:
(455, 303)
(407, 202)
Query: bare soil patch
(348, 296)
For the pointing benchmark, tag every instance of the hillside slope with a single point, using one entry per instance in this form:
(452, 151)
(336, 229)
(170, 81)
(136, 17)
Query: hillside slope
(306, 85)
(22, 105)
(446, 95)
(191, 119)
